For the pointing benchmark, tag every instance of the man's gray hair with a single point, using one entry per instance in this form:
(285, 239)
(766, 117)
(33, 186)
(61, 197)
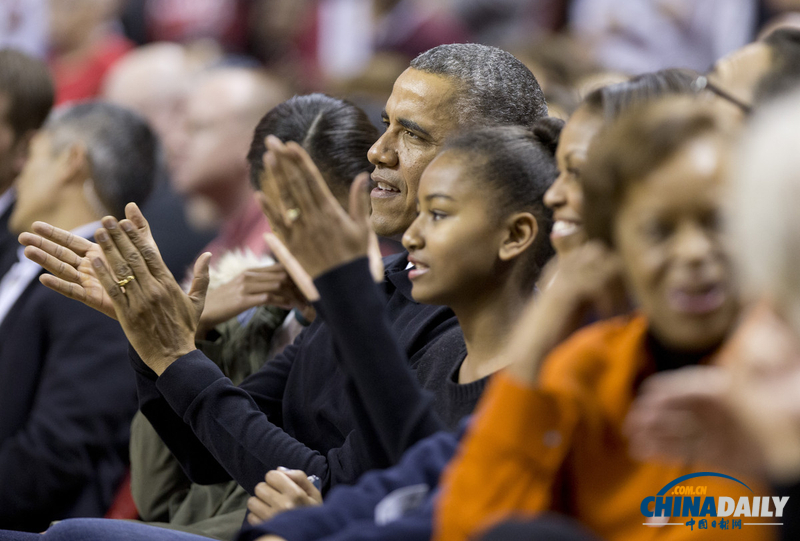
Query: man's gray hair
(496, 88)
(123, 152)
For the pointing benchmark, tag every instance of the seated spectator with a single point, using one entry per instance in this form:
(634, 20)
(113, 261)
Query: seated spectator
(496, 209)
(549, 435)
(83, 45)
(66, 393)
(154, 80)
(221, 112)
(746, 410)
(759, 69)
(26, 96)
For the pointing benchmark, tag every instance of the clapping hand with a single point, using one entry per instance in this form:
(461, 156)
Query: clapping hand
(310, 226)
(159, 319)
(68, 258)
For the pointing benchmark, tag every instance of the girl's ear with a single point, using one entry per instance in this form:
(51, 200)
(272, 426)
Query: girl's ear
(521, 231)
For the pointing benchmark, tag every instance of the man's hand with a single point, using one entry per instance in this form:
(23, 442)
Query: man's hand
(282, 490)
(306, 216)
(588, 279)
(68, 258)
(159, 319)
(253, 287)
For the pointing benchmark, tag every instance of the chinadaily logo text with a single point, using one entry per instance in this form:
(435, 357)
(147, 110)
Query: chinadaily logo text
(686, 502)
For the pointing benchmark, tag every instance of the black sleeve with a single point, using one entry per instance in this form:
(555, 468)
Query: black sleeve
(234, 432)
(388, 394)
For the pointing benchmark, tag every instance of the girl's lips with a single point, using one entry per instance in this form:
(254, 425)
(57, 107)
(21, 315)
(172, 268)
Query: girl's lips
(564, 228)
(699, 302)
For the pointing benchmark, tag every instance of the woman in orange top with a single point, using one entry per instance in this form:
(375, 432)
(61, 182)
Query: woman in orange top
(553, 439)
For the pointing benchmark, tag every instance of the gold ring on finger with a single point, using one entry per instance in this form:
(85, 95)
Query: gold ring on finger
(292, 215)
(125, 281)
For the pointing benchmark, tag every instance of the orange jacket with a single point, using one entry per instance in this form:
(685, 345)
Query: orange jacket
(559, 447)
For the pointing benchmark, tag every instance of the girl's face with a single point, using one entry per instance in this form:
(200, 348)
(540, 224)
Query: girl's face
(668, 234)
(565, 196)
(455, 241)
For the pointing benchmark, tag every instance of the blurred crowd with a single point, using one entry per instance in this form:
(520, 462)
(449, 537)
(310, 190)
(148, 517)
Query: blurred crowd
(283, 270)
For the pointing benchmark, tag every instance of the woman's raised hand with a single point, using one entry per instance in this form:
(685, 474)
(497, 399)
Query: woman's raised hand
(305, 216)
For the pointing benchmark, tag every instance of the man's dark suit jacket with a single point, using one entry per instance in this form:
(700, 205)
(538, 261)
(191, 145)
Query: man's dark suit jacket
(67, 396)
(8, 243)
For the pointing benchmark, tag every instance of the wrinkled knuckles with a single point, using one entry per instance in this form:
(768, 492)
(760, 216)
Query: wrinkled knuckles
(133, 258)
(122, 270)
(149, 254)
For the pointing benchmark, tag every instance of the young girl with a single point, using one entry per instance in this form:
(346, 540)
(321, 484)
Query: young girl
(549, 436)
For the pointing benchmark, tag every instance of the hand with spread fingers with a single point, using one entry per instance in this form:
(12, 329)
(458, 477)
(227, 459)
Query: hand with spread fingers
(306, 217)
(159, 319)
(282, 490)
(68, 258)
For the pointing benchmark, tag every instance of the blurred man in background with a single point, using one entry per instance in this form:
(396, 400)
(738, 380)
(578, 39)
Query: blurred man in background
(26, 96)
(66, 392)
(154, 80)
(221, 114)
(84, 44)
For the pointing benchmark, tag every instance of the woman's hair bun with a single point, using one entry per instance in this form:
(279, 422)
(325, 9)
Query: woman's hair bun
(547, 130)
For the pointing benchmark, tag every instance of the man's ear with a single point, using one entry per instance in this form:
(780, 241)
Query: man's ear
(74, 162)
(521, 231)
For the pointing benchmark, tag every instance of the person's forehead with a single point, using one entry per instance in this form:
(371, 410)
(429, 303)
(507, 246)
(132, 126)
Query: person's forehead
(446, 176)
(692, 174)
(579, 131)
(754, 55)
(421, 96)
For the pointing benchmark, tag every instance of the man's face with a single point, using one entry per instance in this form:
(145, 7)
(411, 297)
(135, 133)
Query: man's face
(214, 150)
(419, 116)
(37, 184)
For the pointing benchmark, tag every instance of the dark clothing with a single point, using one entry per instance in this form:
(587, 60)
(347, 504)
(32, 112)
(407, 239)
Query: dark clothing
(8, 243)
(295, 411)
(396, 503)
(452, 400)
(66, 401)
(350, 511)
(790, 531)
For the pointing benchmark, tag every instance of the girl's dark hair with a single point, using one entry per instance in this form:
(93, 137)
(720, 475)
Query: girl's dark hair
(609, 101)
(518, 165)
(335, 133)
